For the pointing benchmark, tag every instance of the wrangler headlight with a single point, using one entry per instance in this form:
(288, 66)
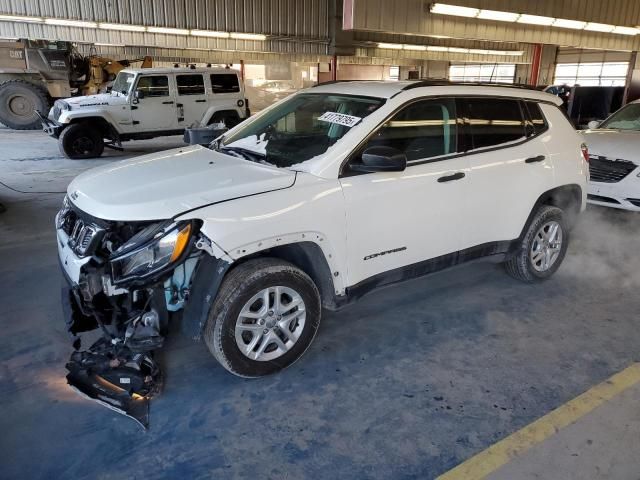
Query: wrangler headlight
(165, 248)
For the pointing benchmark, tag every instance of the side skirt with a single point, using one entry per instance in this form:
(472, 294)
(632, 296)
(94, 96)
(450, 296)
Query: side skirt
(491, 252)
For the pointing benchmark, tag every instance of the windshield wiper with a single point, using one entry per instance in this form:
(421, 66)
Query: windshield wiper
(243, 152)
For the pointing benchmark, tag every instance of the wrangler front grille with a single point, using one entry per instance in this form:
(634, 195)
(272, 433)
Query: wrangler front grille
(604, 170)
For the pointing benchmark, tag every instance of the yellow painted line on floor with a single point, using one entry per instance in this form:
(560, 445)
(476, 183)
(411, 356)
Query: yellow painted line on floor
(514, 445)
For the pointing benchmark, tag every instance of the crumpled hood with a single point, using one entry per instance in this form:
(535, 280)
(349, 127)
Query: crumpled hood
(164, 184)
(613, 144)
(100, 99)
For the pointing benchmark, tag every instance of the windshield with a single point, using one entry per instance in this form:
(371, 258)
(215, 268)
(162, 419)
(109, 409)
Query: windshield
(627, 118)
(123, 83)
(302, 127)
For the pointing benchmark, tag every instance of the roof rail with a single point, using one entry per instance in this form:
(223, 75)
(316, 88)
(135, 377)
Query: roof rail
(331, 82)
(445, 82)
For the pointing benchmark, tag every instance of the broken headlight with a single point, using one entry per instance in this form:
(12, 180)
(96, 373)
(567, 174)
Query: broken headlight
(166, 247)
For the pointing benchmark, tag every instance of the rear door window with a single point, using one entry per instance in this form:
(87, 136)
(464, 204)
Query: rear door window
(494, 121)
(190, 84)
(225, 83)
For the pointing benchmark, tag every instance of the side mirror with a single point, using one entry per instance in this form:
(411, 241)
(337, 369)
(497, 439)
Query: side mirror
(138, 95)
(381, 159)
(593, 124)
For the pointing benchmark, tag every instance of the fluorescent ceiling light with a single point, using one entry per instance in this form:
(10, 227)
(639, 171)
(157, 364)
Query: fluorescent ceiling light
(516, 53)
(483, 14)
(496, 15)
(458, 50)
(536, 20)
(168, 31)
(444, 9)
(391, 46)
(599, 27)
(62, 22)
(99, 44)
(625, 30)
(209, 33)
(17, 18)
(420, 48)
(435, 48)
(248, 36)
(574, 24)
(122, 27)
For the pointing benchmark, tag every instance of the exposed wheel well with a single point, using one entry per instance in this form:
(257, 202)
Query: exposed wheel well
(230, 116)
(309, 258)
(567, 197)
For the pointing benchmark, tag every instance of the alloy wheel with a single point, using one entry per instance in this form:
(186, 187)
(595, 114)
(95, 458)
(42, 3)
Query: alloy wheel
(270, 323)
(546, 246)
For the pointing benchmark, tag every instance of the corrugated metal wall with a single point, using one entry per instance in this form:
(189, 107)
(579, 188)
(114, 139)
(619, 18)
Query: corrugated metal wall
(286, 45)
(578, 55)
(413, 17)
(303, 18)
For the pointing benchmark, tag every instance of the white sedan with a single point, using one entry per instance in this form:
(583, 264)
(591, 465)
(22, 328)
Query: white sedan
(614, 159)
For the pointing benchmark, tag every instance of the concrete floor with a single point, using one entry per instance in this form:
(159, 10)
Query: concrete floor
(407, 383)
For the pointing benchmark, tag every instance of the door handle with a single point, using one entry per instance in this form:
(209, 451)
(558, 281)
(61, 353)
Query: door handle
(451, 178)
(167, 103)
(200, 101)
(539, 158)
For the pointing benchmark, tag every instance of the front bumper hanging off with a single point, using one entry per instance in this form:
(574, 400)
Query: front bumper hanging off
(119, 376)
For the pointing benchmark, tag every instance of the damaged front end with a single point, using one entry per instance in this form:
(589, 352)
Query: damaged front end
(123, 279)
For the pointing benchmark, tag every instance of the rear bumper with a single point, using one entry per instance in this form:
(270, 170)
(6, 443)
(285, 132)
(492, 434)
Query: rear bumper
(50, 127)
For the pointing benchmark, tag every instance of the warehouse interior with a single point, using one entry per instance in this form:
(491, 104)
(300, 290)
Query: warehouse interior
(463, 374)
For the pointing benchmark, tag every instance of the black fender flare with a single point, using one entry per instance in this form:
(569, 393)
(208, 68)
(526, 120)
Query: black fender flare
(207, 279)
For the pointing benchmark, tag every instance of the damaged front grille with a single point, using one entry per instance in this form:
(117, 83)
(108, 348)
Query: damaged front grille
(603, 170)
(83, 235)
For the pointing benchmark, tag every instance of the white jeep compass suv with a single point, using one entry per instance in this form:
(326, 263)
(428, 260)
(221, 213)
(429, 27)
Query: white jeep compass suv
(146, 103)
(325, 196)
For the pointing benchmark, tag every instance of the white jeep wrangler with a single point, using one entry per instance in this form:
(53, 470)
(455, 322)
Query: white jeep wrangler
(146, 103)
(325, 196)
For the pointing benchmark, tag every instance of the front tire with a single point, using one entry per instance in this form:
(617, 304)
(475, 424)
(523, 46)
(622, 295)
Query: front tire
(80, 140)
(265, 316)
(543, 247)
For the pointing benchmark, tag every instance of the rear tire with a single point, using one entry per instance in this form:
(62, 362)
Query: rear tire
(543, 247)
(81, 140)
(241, 328)
(19, 100)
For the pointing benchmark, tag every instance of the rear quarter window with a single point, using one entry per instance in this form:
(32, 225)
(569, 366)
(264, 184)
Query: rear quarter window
(536, 117)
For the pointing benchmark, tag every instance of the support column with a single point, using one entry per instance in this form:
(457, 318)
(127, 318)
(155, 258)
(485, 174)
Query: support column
(535, 64)
(334, 68)
(242, 70)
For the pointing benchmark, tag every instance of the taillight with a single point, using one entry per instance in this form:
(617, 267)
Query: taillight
(585, 152)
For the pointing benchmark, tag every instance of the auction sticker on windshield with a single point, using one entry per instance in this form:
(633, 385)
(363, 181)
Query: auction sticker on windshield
(339, 118)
